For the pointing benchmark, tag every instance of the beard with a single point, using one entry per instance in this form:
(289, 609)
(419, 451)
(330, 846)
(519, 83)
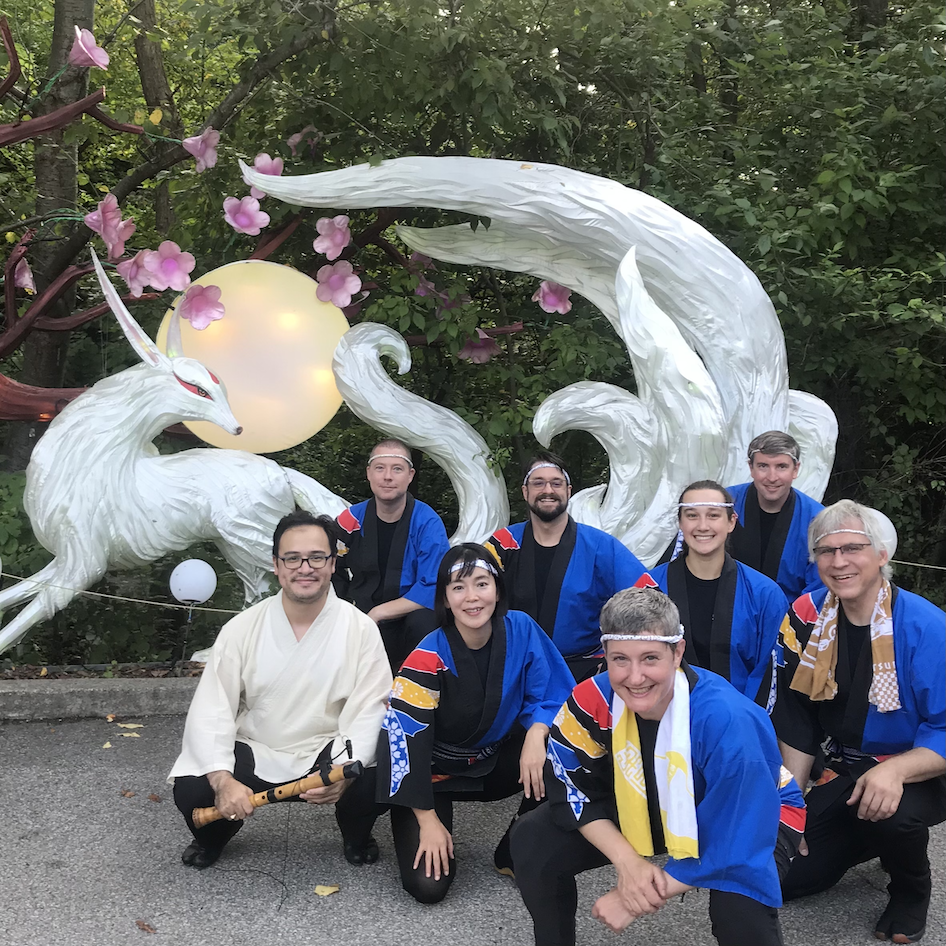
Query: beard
(548, 513)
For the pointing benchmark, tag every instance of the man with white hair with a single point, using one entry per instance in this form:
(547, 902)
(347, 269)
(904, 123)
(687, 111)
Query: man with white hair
(863, 681)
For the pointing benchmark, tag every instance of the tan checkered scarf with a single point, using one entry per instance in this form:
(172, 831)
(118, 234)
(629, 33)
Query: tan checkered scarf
(815, 674)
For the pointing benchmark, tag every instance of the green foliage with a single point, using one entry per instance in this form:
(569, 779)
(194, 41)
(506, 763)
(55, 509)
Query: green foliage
(810, 146)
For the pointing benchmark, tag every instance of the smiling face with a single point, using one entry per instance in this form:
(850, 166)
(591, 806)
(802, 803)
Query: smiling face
(388, 476)
(304, 585)
(472, 600)
(546, 493)
(773, 476)
(853, 574)
(642, 674)
(705, 528)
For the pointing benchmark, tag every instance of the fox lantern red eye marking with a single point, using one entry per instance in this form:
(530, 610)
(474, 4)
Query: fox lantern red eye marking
(195, 389)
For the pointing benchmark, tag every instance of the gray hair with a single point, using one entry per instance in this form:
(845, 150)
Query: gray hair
(843, 513)
(774, 442)
(640, 611)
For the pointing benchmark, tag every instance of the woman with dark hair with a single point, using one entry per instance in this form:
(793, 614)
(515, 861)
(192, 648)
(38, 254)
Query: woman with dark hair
(469, 713)
(731, 613)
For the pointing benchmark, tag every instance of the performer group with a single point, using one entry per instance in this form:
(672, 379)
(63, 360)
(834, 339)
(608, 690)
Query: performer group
(765, 707)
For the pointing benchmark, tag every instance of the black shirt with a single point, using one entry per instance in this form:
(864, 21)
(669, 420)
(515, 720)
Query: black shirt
(767, 522)
(701, 597)
(543, 565)
(385, 538)
(481, 659)
(648, 733)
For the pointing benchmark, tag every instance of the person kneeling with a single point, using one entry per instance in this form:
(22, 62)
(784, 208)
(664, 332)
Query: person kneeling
(469, 713)
(656, 756)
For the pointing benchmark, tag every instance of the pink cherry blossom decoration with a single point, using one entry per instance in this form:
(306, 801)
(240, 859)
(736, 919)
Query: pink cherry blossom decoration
(23, 276)
(553, 298)
(168, 267)
(295, 140)
(85, 53)
(265, 165)
(106, 220)
(115, 239)
(135, 273)
(201, 306)
(204, 148)
(479, 349)
(334, 236)
(337, 284)
(244, 215)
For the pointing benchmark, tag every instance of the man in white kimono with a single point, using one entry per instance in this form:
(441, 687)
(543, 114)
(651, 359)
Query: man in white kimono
(290, 684)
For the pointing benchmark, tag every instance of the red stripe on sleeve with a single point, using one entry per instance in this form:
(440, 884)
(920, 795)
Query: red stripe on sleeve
(805, 609)
(505, 540)
(423, 661)
(592, 701)
(348, 522)
(794, 818)
(645, 581)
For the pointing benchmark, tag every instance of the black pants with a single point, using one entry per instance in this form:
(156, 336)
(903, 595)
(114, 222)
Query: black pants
(502, 782)
(547, 857)
(838, 840)
(402, 635)
(354, 809)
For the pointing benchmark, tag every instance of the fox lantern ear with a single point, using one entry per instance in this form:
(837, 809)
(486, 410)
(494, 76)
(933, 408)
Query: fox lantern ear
(147, 351)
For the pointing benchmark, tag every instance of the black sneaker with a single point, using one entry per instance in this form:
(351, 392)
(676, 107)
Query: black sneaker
(358, 854)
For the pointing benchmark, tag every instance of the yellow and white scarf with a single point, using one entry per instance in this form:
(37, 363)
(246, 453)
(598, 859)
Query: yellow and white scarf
(673, 770)
(815, 676)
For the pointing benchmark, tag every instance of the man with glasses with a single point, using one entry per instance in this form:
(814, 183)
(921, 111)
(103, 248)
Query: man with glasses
(863, 684)
(297, 680)
(394, 544)
(561, 572)
(774, 516)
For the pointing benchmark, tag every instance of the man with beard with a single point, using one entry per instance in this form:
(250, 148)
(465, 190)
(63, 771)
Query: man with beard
(561, 572)
(298, 680)
(393, 547)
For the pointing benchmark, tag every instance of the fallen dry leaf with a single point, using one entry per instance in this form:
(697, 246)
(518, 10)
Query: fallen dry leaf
(133, 735)
(131, 726)
(155, 798)
(107, 745)
(326, 890)
(110, 718)
(43, 672)
(127, 793)
(145, 927)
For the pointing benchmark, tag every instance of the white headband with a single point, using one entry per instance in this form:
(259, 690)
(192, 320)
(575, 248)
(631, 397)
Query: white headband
(391, 456)
(479, 563)
(542, 466)
(655, 638)
(839, 531)
(719, 504)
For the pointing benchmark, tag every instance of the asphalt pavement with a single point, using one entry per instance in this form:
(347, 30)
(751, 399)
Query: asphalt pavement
(91, 857)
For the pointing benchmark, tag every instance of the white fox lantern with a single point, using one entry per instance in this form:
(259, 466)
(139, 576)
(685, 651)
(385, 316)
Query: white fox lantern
(100, 496)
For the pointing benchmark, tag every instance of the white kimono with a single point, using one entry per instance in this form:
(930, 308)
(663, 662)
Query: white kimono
(287, 699)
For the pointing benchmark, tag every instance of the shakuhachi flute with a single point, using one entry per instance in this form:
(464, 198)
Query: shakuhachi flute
(327, 776)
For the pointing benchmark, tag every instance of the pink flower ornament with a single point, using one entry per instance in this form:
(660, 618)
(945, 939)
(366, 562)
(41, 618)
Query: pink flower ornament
(479, 349)
(204, 148)
(135, 273)
(337, 284)
(333, 237)
(295, 140)
(553, 298)
(265, 165)
(23, 277)
(201, 305)
(244, 215)
(106, 220)
(85, 53)
(168, 267)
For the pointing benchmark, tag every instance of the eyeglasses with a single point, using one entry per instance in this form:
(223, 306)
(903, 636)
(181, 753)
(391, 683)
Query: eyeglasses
(546, 484)
(827, 551)
(292, 561)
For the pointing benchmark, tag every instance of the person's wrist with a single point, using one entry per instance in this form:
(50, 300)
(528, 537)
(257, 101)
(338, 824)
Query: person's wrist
(219, 779)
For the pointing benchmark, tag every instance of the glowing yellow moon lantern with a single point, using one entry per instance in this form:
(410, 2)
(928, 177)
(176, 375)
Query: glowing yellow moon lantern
(273, 350)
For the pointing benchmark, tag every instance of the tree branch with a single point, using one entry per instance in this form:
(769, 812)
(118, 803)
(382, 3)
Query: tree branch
(47, 324)
(10, 47)
(20, 131)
